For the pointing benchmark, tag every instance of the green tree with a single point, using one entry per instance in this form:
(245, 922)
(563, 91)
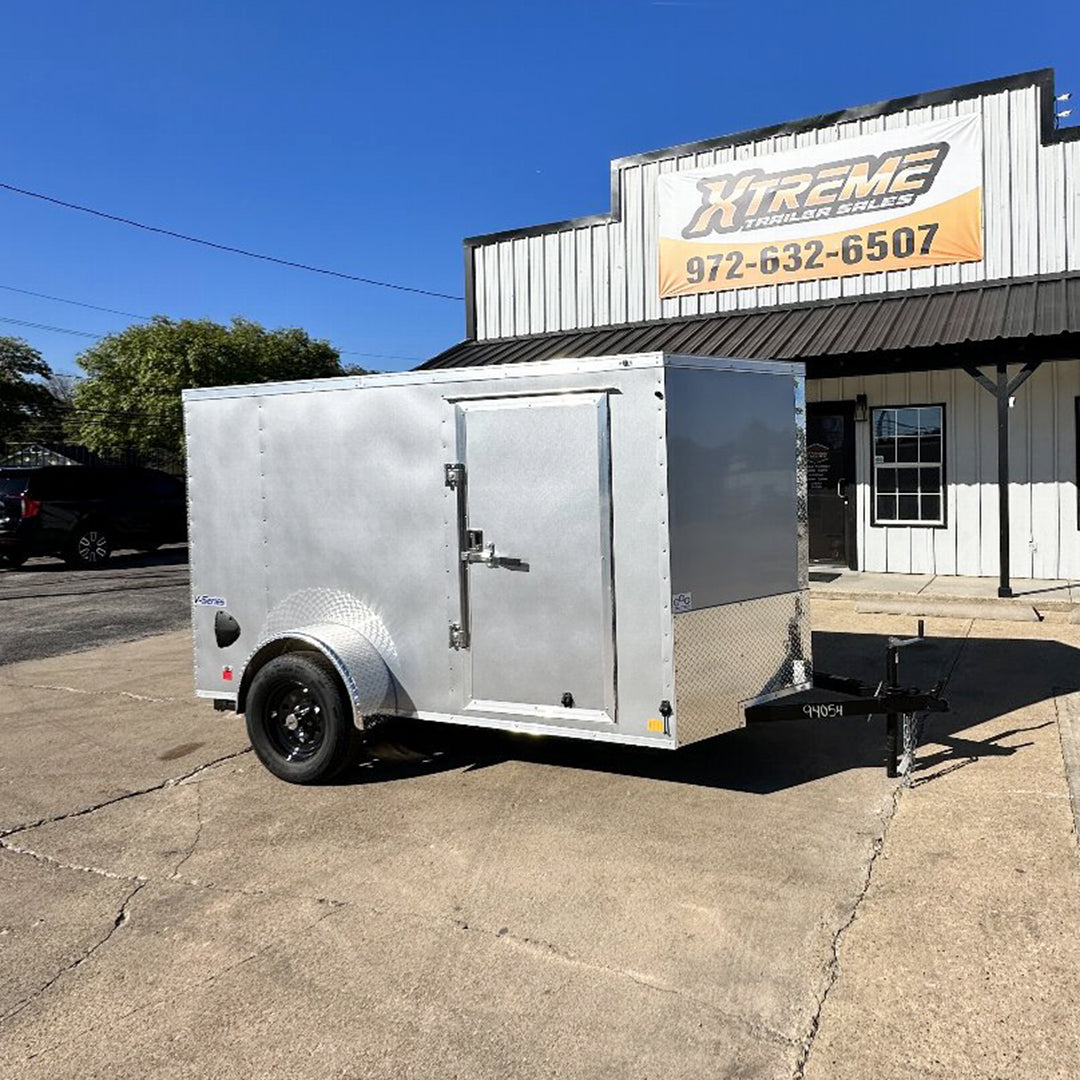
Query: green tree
(130, 396)
(26, 404)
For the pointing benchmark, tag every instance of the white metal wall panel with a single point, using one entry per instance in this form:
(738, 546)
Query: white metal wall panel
(1031, 198)
(1068, 390)
(1044, 533)
(1072, 205)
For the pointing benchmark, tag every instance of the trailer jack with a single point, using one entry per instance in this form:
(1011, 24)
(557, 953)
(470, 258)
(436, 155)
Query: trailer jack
(901, 706)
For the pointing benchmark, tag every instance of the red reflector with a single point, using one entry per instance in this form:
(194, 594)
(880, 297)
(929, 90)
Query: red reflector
(30, 507)
(226, 673)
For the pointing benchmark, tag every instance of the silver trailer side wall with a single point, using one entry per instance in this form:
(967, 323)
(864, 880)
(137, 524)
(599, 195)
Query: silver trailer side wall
(738, 540)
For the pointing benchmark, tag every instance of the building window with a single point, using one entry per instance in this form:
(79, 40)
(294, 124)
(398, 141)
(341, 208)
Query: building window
(909, 465)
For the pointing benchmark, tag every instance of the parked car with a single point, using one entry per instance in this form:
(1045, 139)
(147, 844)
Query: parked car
(83, 512)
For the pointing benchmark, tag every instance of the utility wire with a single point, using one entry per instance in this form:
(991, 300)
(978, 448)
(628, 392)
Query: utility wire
(77, 303)
(45, 326)
(146, 318)
(226, 247)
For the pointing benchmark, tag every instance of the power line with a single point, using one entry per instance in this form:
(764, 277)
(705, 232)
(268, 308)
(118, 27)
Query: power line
(45, 326)
(225, 247)
(77, 303)
(146, 318)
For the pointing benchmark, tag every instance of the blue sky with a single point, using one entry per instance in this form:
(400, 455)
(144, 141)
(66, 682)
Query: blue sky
(372, 137)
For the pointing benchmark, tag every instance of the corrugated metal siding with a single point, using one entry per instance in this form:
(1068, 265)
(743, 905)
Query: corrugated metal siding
(1006, 311)
(605, 273)
(1044, 527)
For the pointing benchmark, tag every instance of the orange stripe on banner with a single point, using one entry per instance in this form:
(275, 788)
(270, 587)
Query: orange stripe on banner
(737, 266)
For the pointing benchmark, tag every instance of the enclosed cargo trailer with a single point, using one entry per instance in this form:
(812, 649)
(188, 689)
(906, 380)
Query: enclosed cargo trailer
(611, 548)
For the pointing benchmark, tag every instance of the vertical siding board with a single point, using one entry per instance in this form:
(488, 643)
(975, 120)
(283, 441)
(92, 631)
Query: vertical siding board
(635, 247)
(975, 271)
(480, 294)
(962, 473)
(1052, 203)
(601, 277)
(537, 285)
(1044, 439)
(873, 547)
(1019, 486)
(943, 541)
(1072, 205)
(988, 492)
(1023, 193)
(1067, 374)
(617, 263)
(651, 298)
(552, 282)
(996, 191)
(520, 295)
(584, 262)
(568, 280)
(506, 287)
(491, 274)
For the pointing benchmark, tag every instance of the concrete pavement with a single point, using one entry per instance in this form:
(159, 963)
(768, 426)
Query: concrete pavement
(47, 608)
(753, 907)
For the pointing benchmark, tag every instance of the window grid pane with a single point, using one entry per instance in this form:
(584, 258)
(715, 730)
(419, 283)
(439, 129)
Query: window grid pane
(908, 473)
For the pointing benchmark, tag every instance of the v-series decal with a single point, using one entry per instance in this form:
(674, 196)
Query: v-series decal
(755, 199)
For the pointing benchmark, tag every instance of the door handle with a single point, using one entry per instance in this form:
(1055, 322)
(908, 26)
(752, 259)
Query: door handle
(477, 552)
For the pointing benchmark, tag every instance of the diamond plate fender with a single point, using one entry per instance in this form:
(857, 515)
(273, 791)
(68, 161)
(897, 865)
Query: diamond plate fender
(346, 632)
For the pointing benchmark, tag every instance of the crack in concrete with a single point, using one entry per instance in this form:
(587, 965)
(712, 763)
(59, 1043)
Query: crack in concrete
(832, 970)
(171, 782)
(555, 952)
(198, 833)
(119, 920)
(172, 879)
(186, 988)
(93, 693)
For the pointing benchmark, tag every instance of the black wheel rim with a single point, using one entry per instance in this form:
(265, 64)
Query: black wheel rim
(92, 546)
(294, 722)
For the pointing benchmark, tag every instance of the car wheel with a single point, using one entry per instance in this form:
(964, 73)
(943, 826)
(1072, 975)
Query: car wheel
(12, 558)
(298, 719)
(89, 548)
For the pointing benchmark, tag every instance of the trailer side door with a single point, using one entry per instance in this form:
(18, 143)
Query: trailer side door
(537, 556)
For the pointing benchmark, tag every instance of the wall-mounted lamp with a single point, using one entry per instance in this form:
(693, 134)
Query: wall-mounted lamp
(862, 411)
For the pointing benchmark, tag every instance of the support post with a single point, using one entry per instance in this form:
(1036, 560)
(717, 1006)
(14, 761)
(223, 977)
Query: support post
(1002, 391)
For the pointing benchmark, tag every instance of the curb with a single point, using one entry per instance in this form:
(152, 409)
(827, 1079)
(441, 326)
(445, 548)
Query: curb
(961, 607)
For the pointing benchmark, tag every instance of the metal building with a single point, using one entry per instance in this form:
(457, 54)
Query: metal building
(920, 255)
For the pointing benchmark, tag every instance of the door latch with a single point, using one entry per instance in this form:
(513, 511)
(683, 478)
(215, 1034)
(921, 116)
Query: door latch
(476, 551)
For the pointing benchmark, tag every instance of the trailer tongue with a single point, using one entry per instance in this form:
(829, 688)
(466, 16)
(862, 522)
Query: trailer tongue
(901, 706)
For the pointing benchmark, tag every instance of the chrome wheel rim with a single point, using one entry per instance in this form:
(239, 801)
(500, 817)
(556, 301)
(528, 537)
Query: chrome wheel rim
(92, 547)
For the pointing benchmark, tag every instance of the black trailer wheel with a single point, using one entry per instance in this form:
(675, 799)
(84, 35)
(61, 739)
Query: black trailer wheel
(299, 720)
(88, 548)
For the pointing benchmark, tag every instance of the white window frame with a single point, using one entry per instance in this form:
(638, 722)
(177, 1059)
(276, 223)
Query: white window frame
(877, 467)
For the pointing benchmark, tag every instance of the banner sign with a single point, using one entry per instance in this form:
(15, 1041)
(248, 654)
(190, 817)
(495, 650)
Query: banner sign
(887, 201)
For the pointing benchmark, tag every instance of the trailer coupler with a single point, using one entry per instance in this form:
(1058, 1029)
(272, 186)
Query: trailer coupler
(901, 706)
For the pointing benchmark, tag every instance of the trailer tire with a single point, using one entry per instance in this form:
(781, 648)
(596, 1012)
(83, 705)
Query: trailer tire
(299, 720)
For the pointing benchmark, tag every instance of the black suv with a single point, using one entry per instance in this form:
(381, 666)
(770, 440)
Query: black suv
(83, 512)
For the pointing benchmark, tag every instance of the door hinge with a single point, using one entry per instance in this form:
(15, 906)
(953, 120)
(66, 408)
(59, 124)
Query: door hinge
(454, 474)
(459, 636)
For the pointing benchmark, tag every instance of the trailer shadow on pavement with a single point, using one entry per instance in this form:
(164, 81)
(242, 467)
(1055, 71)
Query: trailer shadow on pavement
(984, 679)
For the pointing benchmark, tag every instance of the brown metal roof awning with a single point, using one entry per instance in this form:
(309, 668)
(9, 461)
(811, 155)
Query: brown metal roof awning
(1018, 318)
